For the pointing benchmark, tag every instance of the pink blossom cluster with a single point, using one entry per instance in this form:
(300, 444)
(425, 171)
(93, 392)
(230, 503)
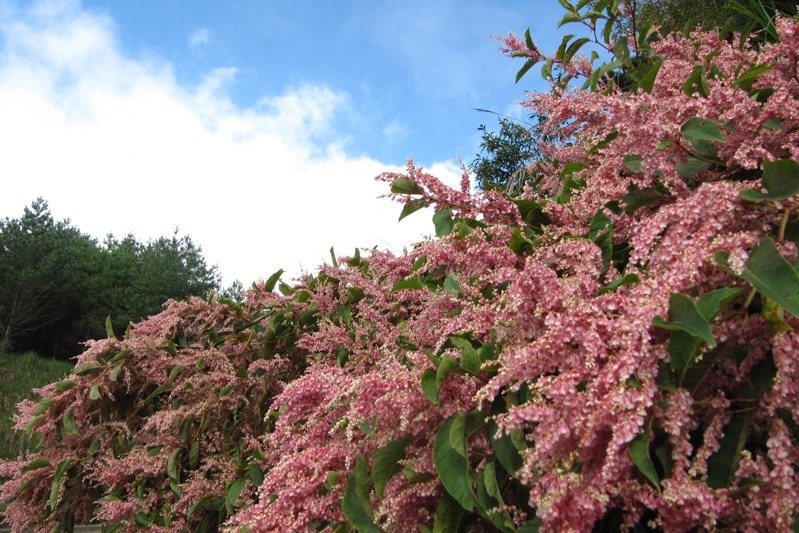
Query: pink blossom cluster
(578, 367)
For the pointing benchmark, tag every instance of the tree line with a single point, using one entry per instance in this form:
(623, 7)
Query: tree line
(58, 285)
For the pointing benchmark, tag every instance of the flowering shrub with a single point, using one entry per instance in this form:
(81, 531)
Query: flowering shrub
(617, 347)
(161, 428)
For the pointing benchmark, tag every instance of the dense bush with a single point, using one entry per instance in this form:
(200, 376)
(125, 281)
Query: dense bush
(162, 427)
(616, 347)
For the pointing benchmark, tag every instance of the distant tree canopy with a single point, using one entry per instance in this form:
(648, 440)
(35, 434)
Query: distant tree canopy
(58, 285)
(726, 16)
(505, 155)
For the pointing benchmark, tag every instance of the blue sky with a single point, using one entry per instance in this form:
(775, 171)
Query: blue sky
(254, 126)
(413, 70)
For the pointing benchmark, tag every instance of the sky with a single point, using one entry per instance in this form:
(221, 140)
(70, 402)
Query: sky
(255, 127)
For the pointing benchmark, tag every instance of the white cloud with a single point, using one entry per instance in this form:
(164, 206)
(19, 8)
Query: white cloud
(118, 145)
(199, 38)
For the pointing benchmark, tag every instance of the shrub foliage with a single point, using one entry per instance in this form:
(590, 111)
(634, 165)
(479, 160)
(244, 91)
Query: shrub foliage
(615, 348)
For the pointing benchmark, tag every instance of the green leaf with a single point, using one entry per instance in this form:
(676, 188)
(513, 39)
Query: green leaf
(160, 389)
(42, 406)
(633, 162)
(86, 368)
(699, 129)
(69, 423)
(233, 493)
(507, 454)
(712, 303)
(194, 454)
(411, 207)
(566, 5)
(173, 465)
(695, 373)
(683, 349)
(32, 423)
(691, 167)
(665, 143)
(780, 178)
(490, 499)
(770, 274)
(604, 142)
(570, 16)
(519, 242)
(773, 124)
(605, 243)
(639, 198)
(447, 366)
(530, 63)
(142, 519)
(647, 81)
(58, 482)
(627, 279)
(683, 315)
(429, 387)
(255, 474)
(452, 286)
(487, 352)
(639, 451)
(531, 526)
(345, 312)
(697, 82)
(747, 79)
(342, 356)
(115, 371)
(333, 259)
(355, 503)
(593, 80)
(64, 385)
(35, 465)
(722, 464)
(448, 515)
(450, 457)
(405, 343)
(109, 328)
(574, 48)
(405, 186)
(599, 223)
(206, 502)
(562, 48)
(411, 283)
(442, 220)
(285, 289)
(94, 392)
(177, 369)
(269, 286)
(760, 379)
(470, 357)
(385, 462)
(528, 40)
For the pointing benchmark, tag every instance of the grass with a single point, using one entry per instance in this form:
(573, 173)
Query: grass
(19, 375)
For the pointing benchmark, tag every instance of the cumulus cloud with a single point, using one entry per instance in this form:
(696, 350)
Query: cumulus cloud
(117, 144)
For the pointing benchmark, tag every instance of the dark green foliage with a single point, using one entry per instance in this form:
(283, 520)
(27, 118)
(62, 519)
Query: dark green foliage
(58, 285)
(505, 155)
(47, 269)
